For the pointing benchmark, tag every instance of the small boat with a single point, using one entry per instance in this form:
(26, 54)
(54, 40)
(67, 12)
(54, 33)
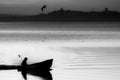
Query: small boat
(39, 69)
(45, 65)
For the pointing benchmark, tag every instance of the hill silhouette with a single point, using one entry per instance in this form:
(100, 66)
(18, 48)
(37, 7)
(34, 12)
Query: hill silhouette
(68, 16)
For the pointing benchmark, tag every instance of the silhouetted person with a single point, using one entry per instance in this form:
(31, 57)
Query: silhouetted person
(24, 68)
(24, 62)
(42, 9)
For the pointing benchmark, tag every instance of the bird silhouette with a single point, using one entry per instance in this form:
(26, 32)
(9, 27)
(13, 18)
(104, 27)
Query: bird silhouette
(42, 9)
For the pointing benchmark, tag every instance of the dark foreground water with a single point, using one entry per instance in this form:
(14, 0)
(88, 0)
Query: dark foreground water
(81, 51)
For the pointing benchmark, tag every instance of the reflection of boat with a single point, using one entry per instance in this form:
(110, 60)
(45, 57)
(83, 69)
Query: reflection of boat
(40, 69)
(37, 69)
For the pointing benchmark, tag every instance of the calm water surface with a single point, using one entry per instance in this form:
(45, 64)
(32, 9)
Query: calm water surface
(81, 51)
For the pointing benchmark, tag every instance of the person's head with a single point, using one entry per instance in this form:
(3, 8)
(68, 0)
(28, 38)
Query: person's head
(25, 58)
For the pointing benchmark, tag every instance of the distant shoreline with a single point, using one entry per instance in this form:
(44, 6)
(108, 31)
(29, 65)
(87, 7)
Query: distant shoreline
(66, 16)
(60, 21)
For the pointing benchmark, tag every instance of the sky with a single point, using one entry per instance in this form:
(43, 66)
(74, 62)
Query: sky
(33, 6)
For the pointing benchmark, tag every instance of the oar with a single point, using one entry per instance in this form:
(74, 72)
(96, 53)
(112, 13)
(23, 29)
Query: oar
(8, 67)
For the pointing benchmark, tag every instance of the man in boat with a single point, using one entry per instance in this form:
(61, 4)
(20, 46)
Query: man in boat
(40, 69)
(23, 68)
(24, 62)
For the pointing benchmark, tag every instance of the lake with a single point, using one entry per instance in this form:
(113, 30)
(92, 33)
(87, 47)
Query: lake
(81, 51)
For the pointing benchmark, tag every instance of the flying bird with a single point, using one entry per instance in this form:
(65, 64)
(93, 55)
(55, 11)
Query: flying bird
(42, 9)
